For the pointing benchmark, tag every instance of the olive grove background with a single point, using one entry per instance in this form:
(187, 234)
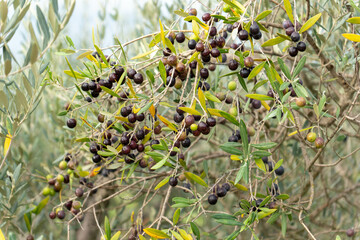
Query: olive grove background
(318, 191)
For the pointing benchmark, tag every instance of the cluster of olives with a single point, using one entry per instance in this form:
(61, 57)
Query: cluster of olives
(219, 191)
(295, 37)
(177, 71)
(319, 141)
(55, 184)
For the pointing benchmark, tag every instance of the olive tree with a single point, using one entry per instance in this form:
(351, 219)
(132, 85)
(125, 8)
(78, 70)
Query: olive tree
(234, 120)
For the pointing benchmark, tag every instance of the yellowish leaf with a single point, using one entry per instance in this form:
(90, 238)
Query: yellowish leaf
(239, 186)
(156, 233)
(214, 112)
(77, 75)
(352, 37)
(84, 54)
(152, 110)
(91, 58)
(87, 123)
(190, 110)
(288, 10)
(196, 29)
(167, 123)
(185, 235)
(235, 158)
(1, 235)
(354, 20)
(128, 82)
(143, 54)
(296, 132)
(122, 118)
(95, 172)
(265, 105)
(162, 35)
(162, 183)
(309, 23)
(202, 98)
(7, 145)
(136, 110)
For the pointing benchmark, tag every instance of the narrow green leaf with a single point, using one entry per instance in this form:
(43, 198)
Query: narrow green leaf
(263, 15)
(242, 82)
(322, 102)
(145, 108)
(284, 68)
(231, 147)
(28, 220)
(102, 56)
(264, 146)
(256, 70)
(283, 224)
(162, 71)
(211, 97)
(285, 37)
(195, 230)
(283, 196)
(278, 164)
(260, 164)
(273, 41)
(229, 117)
(195, 178)
(41, 205)
(259, 97)
(109, 91)
(162, 183)
(159, 164)
(107, 228)
(244, 138)
(299, 67)
(105, 154)
(176, 216)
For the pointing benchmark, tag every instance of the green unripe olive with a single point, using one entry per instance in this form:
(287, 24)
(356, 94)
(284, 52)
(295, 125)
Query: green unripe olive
(232, 85)
(49, 177)
(221, 96)
(63, 165)
(52, 192)
(194, 127)
(147, 149)
(233, 111)
(46, 191)
(69, 171)
(76, 205)
(178, 83)
(60, 178)
(251, 131)
(311, 136)
(146, 157)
